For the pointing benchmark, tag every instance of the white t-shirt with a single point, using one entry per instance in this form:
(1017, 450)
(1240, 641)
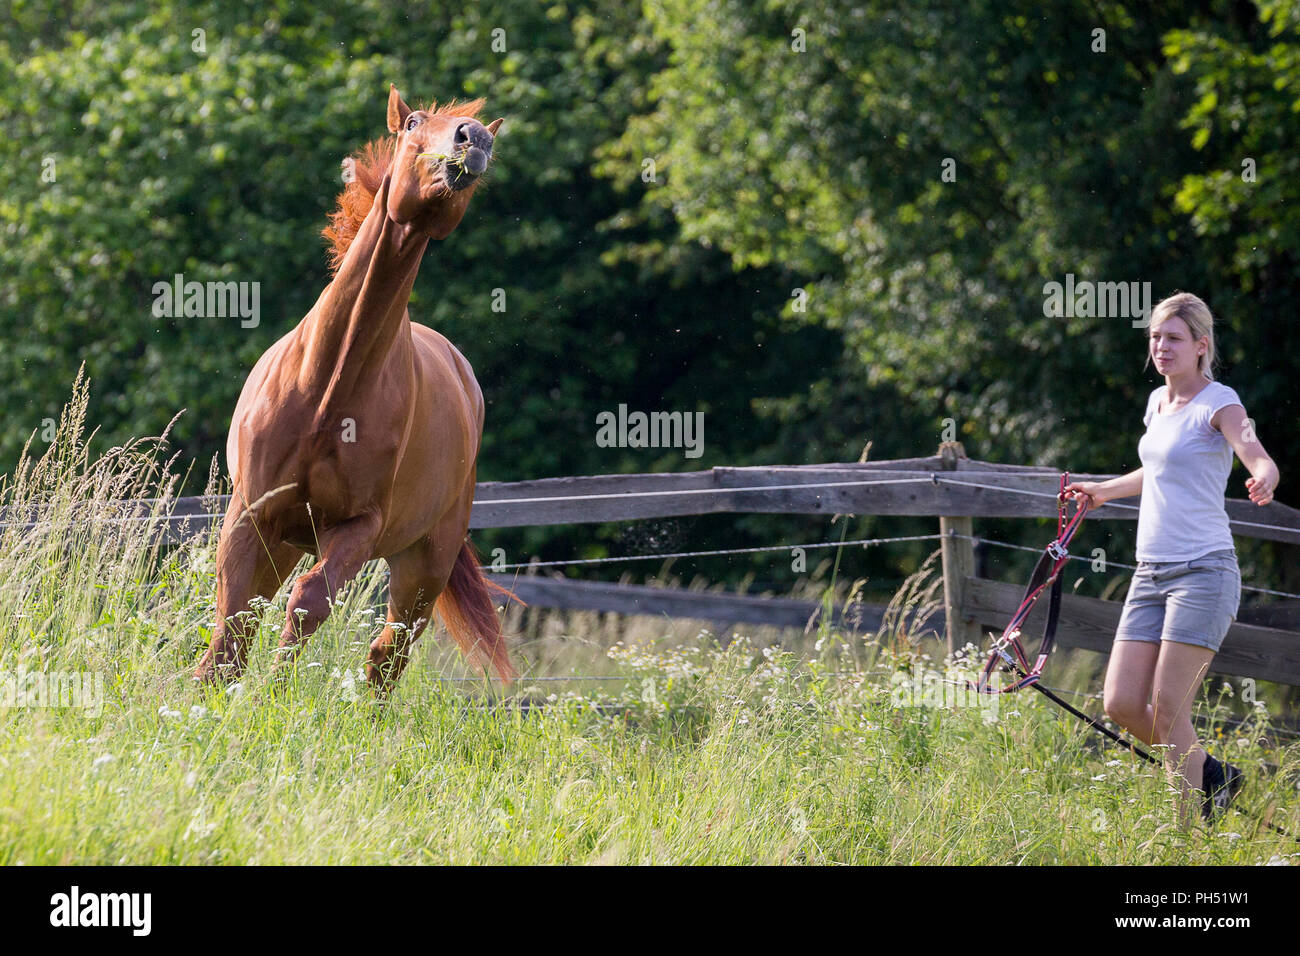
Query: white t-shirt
(1185, 465)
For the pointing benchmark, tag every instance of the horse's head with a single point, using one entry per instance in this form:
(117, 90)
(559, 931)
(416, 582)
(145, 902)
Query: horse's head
(438, 160)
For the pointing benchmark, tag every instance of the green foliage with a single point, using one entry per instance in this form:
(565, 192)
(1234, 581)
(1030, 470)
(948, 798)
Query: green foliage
(937, 286)
(1242, 200)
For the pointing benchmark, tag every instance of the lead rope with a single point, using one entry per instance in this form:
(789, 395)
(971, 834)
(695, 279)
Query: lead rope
(1135, 749)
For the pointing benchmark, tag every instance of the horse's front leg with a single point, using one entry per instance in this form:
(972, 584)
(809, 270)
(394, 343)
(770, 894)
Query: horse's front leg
(248, 564)
(345, 548)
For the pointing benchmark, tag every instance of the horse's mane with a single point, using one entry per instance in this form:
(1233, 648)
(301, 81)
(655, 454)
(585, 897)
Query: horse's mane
(370, 165)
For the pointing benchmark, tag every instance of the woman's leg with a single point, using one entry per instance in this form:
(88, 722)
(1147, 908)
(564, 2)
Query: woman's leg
(1131, 671)
(1149, 692)
(1129, 677)
(1178, 675)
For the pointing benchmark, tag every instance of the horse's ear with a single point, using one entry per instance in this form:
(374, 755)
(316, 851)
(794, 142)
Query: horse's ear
(495, 125)
(397, 110)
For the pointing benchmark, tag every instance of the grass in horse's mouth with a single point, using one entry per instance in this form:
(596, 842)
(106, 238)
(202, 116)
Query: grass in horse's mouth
(453, 160)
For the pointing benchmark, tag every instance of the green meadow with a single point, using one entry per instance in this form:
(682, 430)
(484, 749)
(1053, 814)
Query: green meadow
(772, 749)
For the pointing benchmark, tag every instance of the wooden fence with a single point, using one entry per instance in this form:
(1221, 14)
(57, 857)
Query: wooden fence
(947, 485)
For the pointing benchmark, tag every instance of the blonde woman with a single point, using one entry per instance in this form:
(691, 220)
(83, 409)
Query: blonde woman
(1185, 591)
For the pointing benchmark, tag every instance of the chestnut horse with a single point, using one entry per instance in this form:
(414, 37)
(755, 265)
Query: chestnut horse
(357, 434)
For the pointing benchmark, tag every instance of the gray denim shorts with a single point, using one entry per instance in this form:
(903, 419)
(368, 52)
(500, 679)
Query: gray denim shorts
(1190, 602)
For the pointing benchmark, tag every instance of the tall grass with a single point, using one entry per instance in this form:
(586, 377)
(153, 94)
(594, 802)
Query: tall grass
(757, 752)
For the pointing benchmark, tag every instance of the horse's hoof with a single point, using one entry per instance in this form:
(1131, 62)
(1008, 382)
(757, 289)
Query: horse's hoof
(204, 674)
(208, 673)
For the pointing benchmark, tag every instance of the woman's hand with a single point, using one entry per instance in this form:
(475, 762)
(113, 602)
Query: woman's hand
(1091, 491)
(1261, 488)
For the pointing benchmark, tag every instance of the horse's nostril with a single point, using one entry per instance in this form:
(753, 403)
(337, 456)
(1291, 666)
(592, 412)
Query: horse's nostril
(462, 134)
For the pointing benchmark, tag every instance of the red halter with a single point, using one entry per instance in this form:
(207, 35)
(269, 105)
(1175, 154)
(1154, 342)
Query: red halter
(1046, 572)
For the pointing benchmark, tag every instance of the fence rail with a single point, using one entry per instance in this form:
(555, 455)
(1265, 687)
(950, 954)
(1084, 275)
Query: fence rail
(948, 485)
(721, 609)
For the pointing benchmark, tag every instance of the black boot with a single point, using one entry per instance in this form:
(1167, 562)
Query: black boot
(1220, 783)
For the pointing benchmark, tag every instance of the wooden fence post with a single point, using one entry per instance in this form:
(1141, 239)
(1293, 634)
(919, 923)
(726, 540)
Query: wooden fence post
(958, 555)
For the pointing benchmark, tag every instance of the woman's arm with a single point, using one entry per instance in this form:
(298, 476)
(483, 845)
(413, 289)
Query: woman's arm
(1100, 492)
(1240, 433)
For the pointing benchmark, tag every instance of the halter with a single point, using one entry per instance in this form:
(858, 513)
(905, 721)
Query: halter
(1047, 571)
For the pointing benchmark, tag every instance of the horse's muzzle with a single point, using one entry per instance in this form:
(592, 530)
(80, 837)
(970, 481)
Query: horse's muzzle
(473, 146)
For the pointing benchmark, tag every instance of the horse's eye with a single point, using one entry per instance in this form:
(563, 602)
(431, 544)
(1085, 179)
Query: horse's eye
(411, 122)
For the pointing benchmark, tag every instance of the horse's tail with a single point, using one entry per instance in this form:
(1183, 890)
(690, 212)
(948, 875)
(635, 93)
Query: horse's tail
(467, 608)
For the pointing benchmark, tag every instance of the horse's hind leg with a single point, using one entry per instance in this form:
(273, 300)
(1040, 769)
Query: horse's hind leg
(345, 548)
(417, 576)
(247, 564)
